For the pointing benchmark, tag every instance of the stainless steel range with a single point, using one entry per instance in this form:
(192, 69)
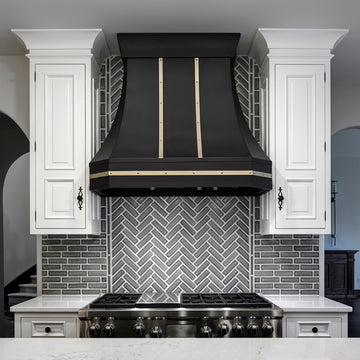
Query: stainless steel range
(186, 315)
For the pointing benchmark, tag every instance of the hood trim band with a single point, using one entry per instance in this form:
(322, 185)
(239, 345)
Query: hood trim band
(183, 173)
(197, 108)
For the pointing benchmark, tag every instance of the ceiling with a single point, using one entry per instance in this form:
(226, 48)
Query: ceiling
(243, 16)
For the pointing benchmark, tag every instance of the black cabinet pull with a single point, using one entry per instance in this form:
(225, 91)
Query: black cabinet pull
(315, 330)
(48, 329)
(80, 198)
(280, 198)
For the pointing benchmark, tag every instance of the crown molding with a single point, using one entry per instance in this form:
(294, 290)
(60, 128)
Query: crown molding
(295, 41)
(90, 41)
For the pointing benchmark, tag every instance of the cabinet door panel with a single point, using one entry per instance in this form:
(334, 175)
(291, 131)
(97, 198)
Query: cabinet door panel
(300, 136)
(60, 145)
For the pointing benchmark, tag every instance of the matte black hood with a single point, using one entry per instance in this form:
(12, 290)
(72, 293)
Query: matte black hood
(179, 129)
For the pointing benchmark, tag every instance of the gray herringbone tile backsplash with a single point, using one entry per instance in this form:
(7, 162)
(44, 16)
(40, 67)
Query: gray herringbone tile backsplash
(180, 243)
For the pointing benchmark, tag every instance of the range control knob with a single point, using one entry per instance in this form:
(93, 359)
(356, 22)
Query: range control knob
(223, 327)
(238, 328)
(267, 328)
(205, 330)
(253, 328)
(94, 328)
(156, 331)
(109, 328)
(139, 327)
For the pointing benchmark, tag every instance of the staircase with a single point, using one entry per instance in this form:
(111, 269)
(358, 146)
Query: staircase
(26, 285)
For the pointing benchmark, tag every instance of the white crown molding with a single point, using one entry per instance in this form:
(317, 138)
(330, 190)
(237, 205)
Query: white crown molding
(295, 41)
(38, 41)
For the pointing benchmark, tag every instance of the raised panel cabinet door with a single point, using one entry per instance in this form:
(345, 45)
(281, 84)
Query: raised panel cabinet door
(60, 146)
(300, 152)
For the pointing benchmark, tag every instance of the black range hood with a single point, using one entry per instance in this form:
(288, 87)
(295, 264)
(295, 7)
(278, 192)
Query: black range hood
(179, 128)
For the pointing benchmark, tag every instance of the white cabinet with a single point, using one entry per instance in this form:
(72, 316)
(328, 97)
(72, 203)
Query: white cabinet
(295, 97)
(60, 153)
(300, 151)
(315, 325)
(46, 325)
(63, 65)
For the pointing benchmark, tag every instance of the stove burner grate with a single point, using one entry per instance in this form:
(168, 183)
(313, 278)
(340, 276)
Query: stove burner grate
(244, 300)
(115, 301)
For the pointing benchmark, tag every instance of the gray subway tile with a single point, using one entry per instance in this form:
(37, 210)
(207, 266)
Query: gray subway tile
(71, 279)
(52, 254)
(90, 292)
(51, 292)
(269, 254)
(263, 273)
(289, 254)
(309, 254)
(71, 267)
(51, 267)
(91, 254)
(303, 273)
(70, 242)
(77, 273)
(289, 292)
(77, 261)
(51, 279)
(283, 273)
(71, 292)
(90, 279)
(309, 292)
(68, 254)
(57, 273)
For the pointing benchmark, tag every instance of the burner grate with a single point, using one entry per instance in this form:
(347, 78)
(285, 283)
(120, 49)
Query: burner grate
(115, 301)
(244, 300)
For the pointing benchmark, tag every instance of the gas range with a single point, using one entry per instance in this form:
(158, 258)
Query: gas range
(181, 315)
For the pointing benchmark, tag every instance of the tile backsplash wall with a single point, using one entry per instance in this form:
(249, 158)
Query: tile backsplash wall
(180, 244)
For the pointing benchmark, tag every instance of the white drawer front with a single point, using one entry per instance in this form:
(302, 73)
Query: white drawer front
(48, 328)
(43, 327)
(307, 327)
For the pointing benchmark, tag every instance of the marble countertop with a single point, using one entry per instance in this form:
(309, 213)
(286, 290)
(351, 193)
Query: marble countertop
(179, 349)
(72, 303)
(307, 303)
(54, 303)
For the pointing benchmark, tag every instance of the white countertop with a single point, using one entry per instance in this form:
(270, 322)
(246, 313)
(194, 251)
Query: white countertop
(307, 303)
(54, 303)
(72, 303)
(179, 349)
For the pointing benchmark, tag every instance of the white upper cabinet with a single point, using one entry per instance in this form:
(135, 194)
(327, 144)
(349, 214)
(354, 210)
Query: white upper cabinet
(295, 96)
(63, 64)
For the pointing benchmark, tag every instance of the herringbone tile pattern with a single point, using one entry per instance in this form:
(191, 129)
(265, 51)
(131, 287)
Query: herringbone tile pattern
(180, 244)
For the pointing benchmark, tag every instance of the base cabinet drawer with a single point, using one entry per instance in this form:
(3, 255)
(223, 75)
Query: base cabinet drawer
(46, 327)
(315, 326)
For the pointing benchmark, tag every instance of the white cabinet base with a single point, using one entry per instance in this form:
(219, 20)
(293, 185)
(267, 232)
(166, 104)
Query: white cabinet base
(47, 325)
(315, 325)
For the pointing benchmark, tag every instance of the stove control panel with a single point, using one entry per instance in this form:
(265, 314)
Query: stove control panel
(232, 325)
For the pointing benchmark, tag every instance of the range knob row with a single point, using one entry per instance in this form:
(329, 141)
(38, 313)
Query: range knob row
(238, 329)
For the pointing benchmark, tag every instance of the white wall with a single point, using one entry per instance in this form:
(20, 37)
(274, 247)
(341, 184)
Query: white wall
(345, 107)
(19, 245)
(345, 156)
(14, 89)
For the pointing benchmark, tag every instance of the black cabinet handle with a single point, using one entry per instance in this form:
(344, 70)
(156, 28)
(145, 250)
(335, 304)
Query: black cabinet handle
(80, 198)
(48, 329)
(315, 330)
(280, 198)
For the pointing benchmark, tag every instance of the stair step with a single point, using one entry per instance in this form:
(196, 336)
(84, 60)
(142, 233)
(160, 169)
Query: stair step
(28, 288)
(17, 298)
(33, 279)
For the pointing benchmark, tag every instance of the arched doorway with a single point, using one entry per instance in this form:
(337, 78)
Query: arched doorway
(345, 170)
(13, 144)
